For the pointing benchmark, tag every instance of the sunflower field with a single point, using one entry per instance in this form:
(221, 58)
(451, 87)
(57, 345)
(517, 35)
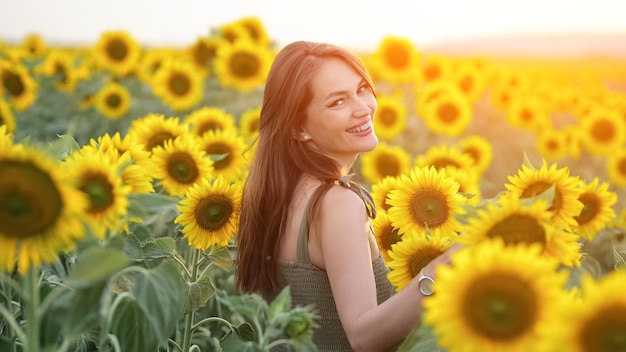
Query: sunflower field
(122, 168)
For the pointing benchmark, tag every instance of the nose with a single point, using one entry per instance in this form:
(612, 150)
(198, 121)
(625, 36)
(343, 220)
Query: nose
(364, 106)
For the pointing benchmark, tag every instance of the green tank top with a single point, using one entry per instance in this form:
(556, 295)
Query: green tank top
(309, 284)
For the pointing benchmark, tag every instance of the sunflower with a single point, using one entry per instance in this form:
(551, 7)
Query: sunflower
(150, 63)
(233, 32)
(34, 45)
(480, 151)
(426, 199)
(210, 212)
(595, 321)
(573, 140)
(6, 138)
(397, 60)
(386, 235)
(244, 65)
(385, 160)
(201, 53)
(518, 221)
(448, 114)
(180, 163)
(113, 100)
(469, 184)
(470, 80)
(178, 84)
(117, 52)
(494, 298)
(528, 113)
(59, 63)
(226, 148)
(96, 175)
(616, 167)
(18, 83)
(436, 68)
(530, 182)
(6, 116)
(136, 163)
(597, 210)
(390, 117)
(380, 192)
(427, 93)
(604, 130)
(255, 28)
(209, 118)
(250, 122)
(412, 253)
(153, 130)
(551, 144)
(40, 209)
(445, 157)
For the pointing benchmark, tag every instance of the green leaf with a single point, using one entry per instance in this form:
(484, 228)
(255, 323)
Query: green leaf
(132, 327)
(527, 162)
(154, 202)
(245, 332)
(61, 147)
(160, 293)
(221, 257)
(198, 294)
(96, 264)
(620, 262)
(281, 303)
(162, 247)
(421, 339)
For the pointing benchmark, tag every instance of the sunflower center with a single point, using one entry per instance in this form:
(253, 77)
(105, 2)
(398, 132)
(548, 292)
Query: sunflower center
(389, 237)
(526, 115)
(500, 307)
(473, 153)
(443, 162)
(59, 69)
(429, 208)
(591, 207)
(518, 229)
(397, 56)
(179, 84)
(431, 72)
(605, 331)
(209, 126)
(13, 83)
(113, 100)
(466, 84)
(448, 113)
(537, 188)
(603, 130)
(182, 167)
(244, 65)
(219, 149)
(117, 50)
(158, 139)
(388, 166)
(621, 166)
(99, 191)
(213, 212)
(420, 259)
(387, 116)
(203, 53)
(30, 202)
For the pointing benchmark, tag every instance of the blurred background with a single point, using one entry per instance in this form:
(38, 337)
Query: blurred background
(530, 26)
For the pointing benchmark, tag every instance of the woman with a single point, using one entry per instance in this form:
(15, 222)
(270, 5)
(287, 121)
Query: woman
(304, 221)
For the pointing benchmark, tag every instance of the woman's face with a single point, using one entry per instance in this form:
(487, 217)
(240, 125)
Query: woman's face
(339, 117)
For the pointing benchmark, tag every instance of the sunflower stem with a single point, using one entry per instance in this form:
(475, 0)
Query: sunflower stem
(189, 316)
(32, 314)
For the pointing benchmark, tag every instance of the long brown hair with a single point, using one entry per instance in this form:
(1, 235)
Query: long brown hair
(281, 159)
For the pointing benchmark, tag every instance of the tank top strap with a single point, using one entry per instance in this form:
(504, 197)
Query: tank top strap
(302, 245)
(362, 192)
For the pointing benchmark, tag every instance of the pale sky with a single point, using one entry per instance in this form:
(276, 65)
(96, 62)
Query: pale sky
(357, 24)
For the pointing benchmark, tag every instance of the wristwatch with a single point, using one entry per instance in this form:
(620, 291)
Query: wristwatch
(425, 284)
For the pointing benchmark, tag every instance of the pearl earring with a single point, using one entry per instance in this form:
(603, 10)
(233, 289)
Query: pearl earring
(305, 137)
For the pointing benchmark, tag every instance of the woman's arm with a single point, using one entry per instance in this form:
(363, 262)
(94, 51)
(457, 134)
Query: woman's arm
(343, 235)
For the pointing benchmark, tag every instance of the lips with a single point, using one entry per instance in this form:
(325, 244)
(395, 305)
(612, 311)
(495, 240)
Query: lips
(361, 128)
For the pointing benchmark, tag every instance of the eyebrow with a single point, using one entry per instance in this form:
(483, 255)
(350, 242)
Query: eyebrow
(342, 92)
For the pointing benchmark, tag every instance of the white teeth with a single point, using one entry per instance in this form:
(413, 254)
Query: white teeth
(360, 128)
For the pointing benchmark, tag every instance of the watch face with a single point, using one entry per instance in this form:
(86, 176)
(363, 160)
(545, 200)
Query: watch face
(426, 285)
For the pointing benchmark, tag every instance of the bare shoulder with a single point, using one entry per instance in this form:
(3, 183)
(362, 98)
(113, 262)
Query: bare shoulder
(339, 197)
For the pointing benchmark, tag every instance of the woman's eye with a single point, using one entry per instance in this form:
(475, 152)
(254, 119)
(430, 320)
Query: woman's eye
(338, 102)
